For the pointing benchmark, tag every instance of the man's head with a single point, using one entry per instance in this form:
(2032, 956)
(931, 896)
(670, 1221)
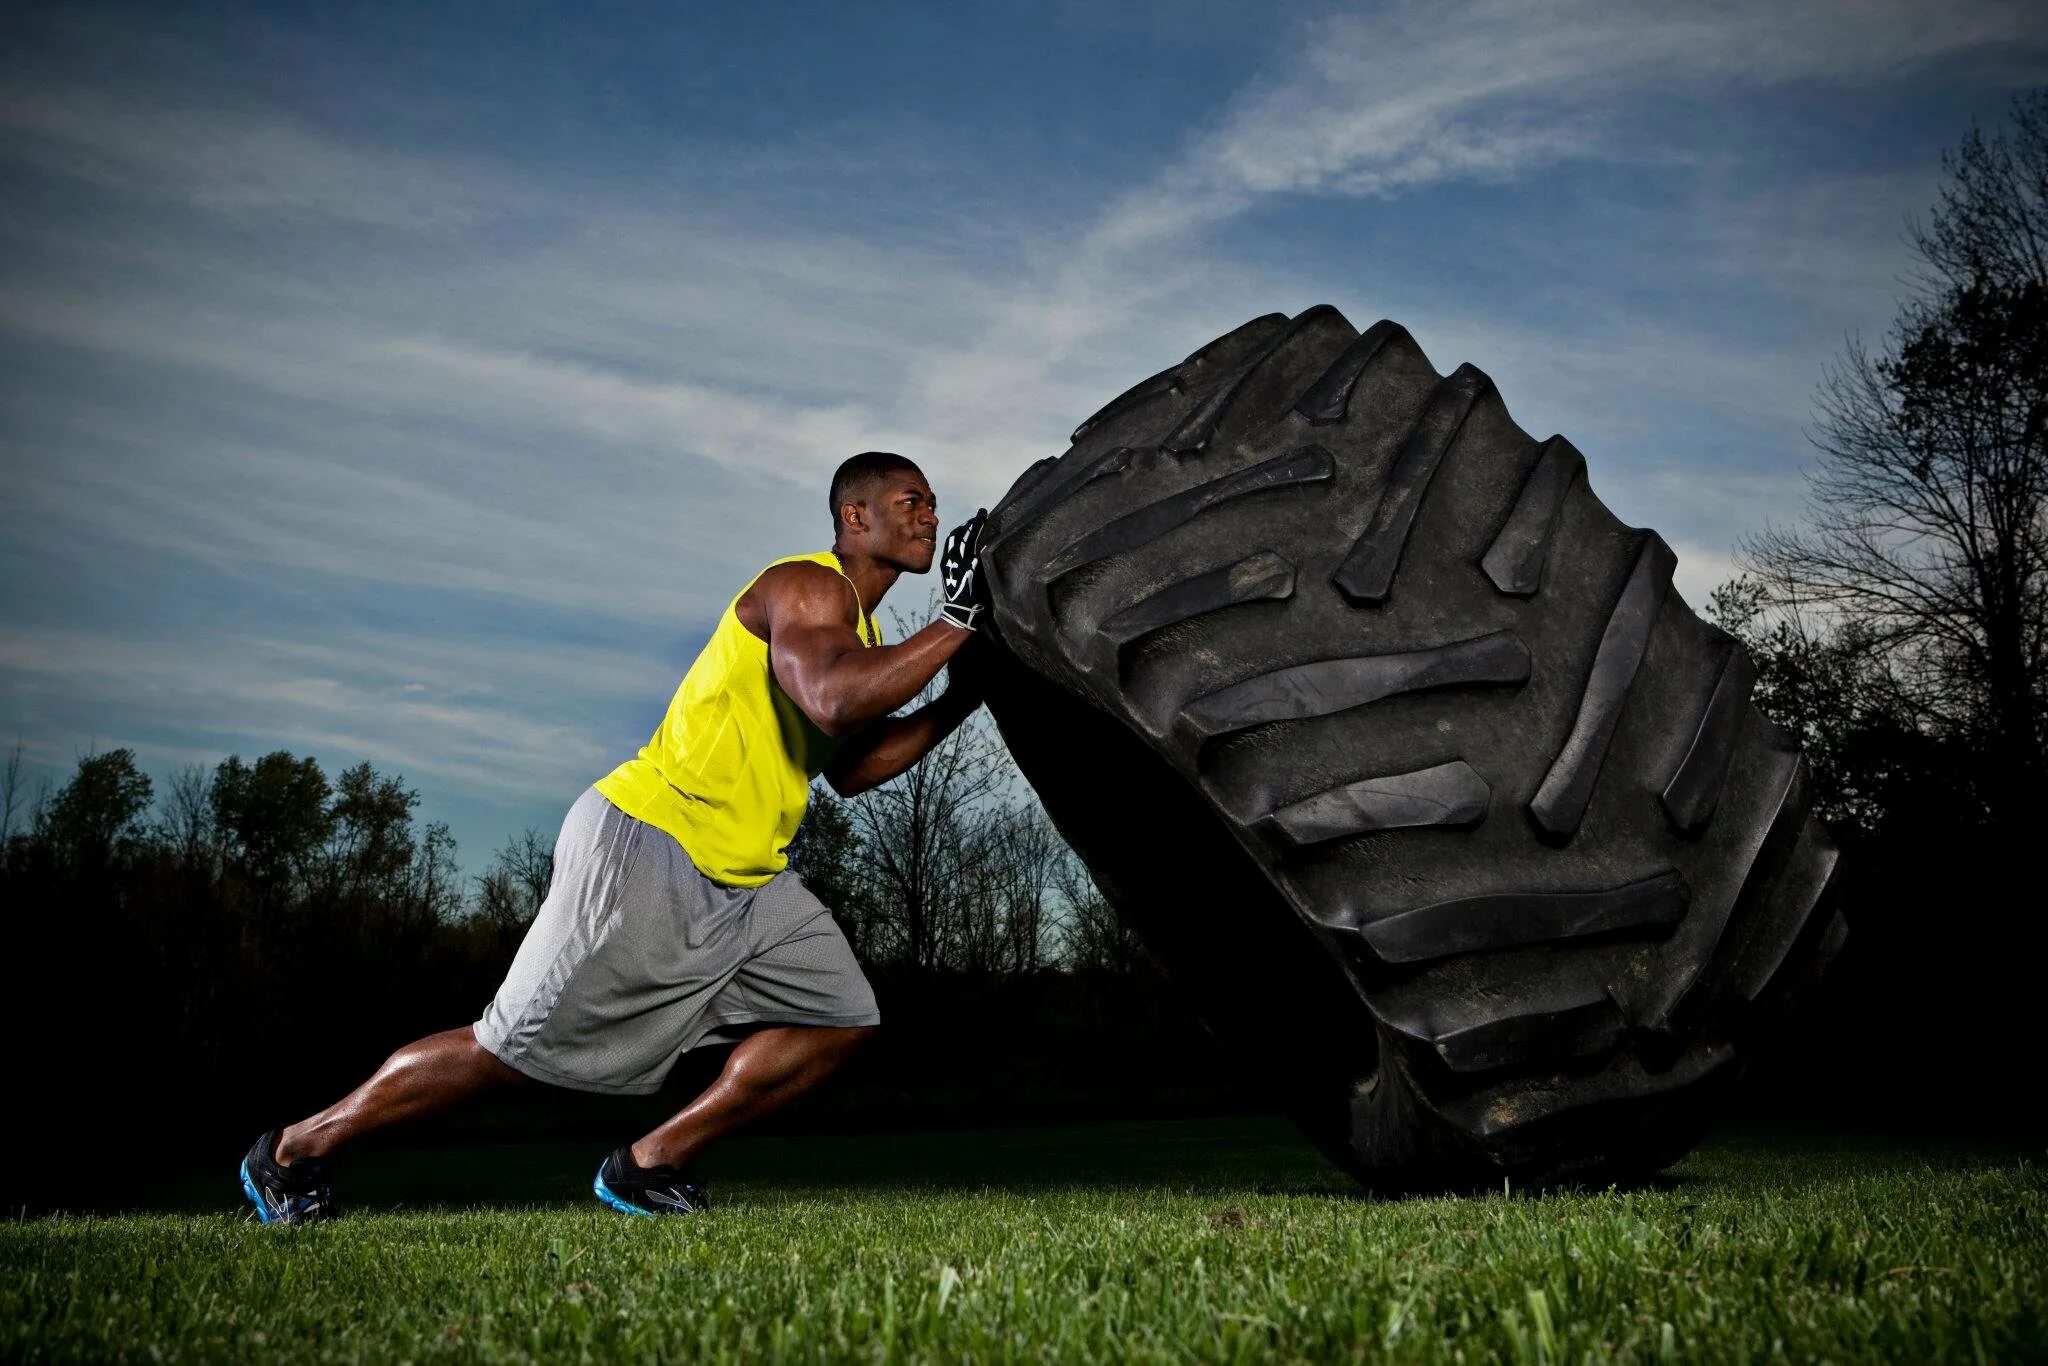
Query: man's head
(882, 506)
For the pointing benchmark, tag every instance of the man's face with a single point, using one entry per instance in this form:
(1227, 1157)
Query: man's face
(903, 521)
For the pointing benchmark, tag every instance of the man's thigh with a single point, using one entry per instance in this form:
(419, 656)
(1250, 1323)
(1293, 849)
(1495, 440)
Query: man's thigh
(620, 971)
(799, 969)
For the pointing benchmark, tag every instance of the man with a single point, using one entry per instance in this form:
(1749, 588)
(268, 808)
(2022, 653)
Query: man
(673, 919)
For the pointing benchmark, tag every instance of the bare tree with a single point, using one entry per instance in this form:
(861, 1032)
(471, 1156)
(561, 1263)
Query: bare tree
(510, 891)
(1091, 937)
(921, 832)
(922, 835)
(1025, 862)
(530, 860)
(499, 903)
(827, 854)
(10, 794)
(436, 883)
(992, 922)
(1927, 519)
(969, 920)
(186, 821)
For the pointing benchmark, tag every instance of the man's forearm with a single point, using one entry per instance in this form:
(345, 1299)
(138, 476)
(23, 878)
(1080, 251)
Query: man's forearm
(892, 746)
(861, 687)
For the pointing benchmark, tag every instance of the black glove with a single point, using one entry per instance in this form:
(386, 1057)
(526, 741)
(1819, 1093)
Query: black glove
(960, 567)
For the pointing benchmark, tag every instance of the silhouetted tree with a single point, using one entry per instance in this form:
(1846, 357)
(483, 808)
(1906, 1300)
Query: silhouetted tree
(369, 846)
(530, 859)
(185, 826)
(12, 797)
(437, 881)
(510, 891)
(1002, 920)
(828, 856)
(921, 835)
(1091, 937)
(273, 818)
(1927, 525)
(99, 812)
(1833, 693)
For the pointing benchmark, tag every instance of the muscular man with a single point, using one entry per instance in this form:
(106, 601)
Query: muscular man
(673, 919)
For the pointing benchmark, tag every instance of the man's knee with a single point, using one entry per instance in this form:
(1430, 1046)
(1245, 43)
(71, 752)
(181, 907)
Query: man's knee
(837, 1041)
(492, 1068)
(796, 1050)
(454, 1054)
(843, 1042)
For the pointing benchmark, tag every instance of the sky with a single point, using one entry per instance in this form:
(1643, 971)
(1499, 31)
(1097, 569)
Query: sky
(416, 384)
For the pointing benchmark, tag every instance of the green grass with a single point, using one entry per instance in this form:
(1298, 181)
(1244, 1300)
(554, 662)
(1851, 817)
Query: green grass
(1215, 1240)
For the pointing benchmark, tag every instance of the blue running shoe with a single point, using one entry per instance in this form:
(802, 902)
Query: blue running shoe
(297, 1194)
(633, 1189)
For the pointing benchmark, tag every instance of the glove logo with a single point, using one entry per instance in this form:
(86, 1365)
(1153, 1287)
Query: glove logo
(959, 571)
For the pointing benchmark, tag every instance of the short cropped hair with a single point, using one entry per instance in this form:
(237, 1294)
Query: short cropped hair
(850, 482)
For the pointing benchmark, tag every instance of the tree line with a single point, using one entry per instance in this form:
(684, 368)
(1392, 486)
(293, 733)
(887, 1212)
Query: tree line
(945, 870)
(255, 937)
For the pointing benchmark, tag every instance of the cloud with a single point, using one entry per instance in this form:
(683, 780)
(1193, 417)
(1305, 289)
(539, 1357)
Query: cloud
(1411, 94)
(417, 460)
(370, 695)
(1700, 570)
(240, 164)
(805, 440)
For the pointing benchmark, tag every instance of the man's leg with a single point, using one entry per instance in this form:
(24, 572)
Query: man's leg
(420, 1078)
(770, 1067)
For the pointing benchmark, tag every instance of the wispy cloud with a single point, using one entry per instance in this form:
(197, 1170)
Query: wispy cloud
(239, 164)
(1412, 94)
(372, 695)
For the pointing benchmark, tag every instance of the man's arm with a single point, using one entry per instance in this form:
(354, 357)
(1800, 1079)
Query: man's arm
(891, 747)
(819, 661)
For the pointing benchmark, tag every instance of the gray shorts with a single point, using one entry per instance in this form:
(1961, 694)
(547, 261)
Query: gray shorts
(637, 957)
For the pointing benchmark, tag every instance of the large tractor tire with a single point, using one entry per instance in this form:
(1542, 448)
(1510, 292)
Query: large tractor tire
(1404, 760)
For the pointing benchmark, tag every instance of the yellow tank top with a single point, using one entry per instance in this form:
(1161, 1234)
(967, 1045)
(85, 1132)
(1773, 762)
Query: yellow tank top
(728, 773)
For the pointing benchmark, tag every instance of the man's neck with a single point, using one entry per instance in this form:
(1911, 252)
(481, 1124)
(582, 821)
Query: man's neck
(871, 578)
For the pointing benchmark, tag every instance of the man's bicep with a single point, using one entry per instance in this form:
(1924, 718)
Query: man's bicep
(802, 657)
(807, 634)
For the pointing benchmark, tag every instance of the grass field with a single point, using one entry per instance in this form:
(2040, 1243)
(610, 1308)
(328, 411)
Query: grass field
(1212, 1240)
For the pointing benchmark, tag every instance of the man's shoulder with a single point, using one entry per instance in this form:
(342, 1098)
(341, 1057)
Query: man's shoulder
(801, 583)
(803, 576)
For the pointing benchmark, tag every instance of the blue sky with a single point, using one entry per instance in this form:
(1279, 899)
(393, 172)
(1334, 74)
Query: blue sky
(416, 383)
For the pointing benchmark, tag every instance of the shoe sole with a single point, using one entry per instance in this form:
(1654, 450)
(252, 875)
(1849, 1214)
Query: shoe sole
(604, 1193)
(249, 1189)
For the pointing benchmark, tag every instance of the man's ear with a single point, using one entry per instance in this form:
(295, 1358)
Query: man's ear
(857, 519)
